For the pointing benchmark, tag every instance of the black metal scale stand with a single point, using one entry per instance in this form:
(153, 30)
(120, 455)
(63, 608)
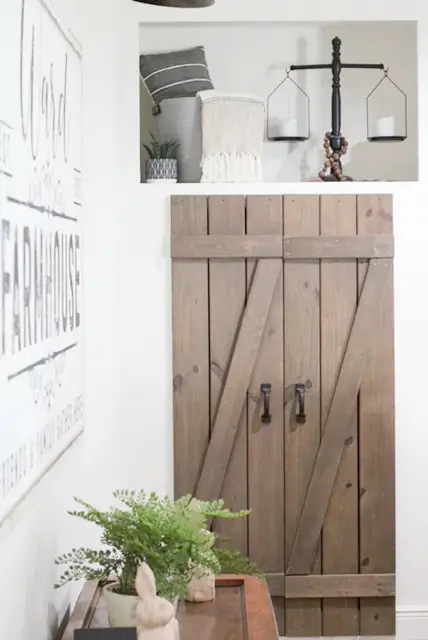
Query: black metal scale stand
(336, 67)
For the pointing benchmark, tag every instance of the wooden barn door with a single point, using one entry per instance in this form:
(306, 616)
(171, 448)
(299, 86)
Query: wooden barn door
(296, 293)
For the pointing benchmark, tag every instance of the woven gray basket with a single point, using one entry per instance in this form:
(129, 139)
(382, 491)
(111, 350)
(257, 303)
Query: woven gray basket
(180, 119)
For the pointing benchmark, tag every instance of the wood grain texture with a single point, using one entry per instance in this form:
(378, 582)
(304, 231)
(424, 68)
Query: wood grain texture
(222, 618)
(377, 438)
(347, 587)
(226, 214)
(301, 364)
(233, 245)
(339, 495)
(330, 586)
(266, 442)
(332, 246)
(84, 610)
(242, 611)
(261, 623)
(227, 245)
(238, 379)
(338, 304)
(366, 330)
(190, 348)
(278, 603)
(276, 585)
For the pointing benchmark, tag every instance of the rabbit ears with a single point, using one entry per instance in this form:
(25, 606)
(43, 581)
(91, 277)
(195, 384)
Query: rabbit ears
(152, 612)
(145, 584)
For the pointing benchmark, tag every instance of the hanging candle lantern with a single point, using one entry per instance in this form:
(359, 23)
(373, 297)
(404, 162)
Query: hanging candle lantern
(181, 4)
(386, 108)
(283, 123)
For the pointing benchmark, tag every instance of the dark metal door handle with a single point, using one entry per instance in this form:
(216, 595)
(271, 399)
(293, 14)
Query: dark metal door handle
(265, 389)
(300, 401)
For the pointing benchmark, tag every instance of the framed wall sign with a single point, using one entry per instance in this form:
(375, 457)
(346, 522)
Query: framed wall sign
(41, 360)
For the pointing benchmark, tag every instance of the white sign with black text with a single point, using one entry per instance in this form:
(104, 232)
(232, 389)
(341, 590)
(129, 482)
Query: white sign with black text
(41, 360)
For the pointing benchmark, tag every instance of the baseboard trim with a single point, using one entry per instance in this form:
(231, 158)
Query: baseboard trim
(412, 623)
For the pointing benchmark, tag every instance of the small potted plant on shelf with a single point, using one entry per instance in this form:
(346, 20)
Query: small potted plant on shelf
(201, 586)
(162, 165)
(171, 537)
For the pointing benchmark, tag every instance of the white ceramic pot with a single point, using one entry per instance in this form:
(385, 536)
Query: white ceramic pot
(120, 608)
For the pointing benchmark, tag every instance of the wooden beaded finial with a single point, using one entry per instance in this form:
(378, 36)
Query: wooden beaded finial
(332, 158)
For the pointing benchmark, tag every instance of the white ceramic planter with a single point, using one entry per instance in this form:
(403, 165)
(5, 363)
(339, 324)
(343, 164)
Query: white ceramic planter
(121, 609)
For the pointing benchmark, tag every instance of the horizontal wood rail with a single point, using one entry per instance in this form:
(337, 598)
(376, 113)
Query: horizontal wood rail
(227, 246)
(369, 585)
(200, 247)
(334, 247)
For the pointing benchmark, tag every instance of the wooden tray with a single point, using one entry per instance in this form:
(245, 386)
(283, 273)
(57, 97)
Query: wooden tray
(242, 610)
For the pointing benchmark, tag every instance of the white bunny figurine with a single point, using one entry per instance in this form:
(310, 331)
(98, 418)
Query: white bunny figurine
(155, 616)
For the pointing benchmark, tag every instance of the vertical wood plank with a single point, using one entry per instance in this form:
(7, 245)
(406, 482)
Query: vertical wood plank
(238, 378)
(359, 351)
(190, 348)
(278, 603)
(338, 217)
(301, 364)
(377, 440)
(226, 214)
(266, 442)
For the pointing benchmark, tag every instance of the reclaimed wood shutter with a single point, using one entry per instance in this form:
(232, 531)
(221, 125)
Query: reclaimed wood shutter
(288, 290)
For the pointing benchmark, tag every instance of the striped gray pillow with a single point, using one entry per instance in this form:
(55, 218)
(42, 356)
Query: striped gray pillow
(176, 74)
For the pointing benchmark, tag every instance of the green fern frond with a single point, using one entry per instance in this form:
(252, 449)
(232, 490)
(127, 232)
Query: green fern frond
(171, 536)
(233, 562)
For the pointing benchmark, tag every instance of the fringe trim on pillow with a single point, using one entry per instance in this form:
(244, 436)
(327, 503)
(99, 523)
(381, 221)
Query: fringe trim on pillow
(232, 167)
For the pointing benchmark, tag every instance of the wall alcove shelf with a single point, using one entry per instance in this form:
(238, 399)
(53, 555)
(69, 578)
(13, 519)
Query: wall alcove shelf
(293, 128)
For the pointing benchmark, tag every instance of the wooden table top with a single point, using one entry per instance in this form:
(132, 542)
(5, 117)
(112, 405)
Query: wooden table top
(242, 610)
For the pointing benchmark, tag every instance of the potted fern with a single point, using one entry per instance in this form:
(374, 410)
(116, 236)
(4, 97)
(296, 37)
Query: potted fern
(169, 536)
(162, 165)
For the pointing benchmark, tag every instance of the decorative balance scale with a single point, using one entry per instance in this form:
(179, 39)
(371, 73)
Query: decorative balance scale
(335, 144)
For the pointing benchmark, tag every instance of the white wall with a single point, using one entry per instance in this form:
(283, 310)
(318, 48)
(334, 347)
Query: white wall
(411, 270)
(127, 305)
(115, 451)
(394, 44)
(252, 58)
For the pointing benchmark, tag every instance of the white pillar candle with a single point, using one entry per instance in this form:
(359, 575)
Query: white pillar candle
(384, 127)
(288, 128)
